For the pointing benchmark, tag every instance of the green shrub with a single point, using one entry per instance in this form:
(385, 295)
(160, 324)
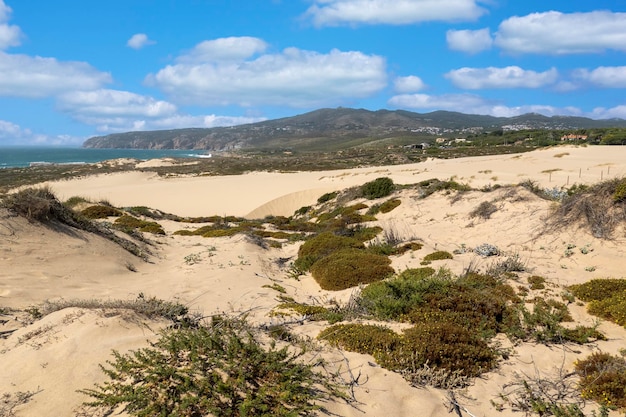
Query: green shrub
(603, 379)
(438, 255)
(220, 370)
(380, 187)
(389, 205)
(100, 212)
(327, 197)
(347, 268)
(619, 195)
(440, 345)
(536, 282)
(130, 222)
(74, 201)
(323, 245)
(598, 289)
(612, 308)
(543, 325)
(361, 338)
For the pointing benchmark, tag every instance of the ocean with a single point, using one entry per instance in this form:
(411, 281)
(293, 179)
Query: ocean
(16, 157)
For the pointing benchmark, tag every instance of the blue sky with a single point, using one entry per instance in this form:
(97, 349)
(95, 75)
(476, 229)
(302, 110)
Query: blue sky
(70, 70)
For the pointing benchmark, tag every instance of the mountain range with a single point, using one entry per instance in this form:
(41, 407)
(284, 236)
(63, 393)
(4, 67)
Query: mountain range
(340, 127)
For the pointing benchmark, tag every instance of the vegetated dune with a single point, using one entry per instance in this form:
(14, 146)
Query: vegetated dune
(48, 359)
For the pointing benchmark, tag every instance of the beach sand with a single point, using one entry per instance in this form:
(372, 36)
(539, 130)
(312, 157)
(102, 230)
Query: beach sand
(59, 354)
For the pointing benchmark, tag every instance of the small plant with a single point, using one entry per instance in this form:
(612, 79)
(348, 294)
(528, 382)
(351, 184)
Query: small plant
(327, 197)
(389, 205)
(603, 379)
(536, 282)
(220, 369)
(486, 250)
(510, 264)
(619, 195)
(436, 256)
(484, 210)
(100, 212)
(192, 258)
(380, 187)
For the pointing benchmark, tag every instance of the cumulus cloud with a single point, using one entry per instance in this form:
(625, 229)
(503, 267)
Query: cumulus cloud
(393, 12)
(294, 77)
(10, 35)
(470, 41)
(608, 77)
(117, 111)
(224, 49)
(114, 102)
(507, 77)
(563, 33)
(35, 77)
(139, 40)
(410, 84)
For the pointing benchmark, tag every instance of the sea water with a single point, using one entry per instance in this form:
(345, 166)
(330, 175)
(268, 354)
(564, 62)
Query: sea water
(16, 157)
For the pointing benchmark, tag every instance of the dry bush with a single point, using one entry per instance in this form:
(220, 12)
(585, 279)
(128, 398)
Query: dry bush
(599, 207)
(40, 204)
(484, 210)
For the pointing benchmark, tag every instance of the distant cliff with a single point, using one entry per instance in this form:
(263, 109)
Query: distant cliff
(320, 127)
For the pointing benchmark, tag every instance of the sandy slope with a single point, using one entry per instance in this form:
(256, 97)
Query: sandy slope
(59, 354)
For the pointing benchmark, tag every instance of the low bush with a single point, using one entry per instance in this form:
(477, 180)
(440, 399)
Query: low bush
(327, 197)
(100, 212)
(612, 308)
(347, 268)
(389, 205)
(437, 256)
(440, 345)
(380, 187)
(598, 289)
(33, 203)
(536, 282)
(323, 245)
(484, 210)
(129, 222)
(220, 369)
(603, 379)
(619, 195)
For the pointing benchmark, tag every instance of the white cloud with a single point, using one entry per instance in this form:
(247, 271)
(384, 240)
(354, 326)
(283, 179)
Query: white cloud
(224, 49)
(139, 40)
(12, 134)
(561, 33)
(609, 77)
(120, 111)
(507, 77)
(469, 104)
(394, 12)
(614, 112)
(34, 77)
(10, 35)
(470, 41)
(177, 121)
(294, 77)
(114, 103)
(410, 84)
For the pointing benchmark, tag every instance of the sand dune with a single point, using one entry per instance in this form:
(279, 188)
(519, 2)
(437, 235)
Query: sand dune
(57, 355)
